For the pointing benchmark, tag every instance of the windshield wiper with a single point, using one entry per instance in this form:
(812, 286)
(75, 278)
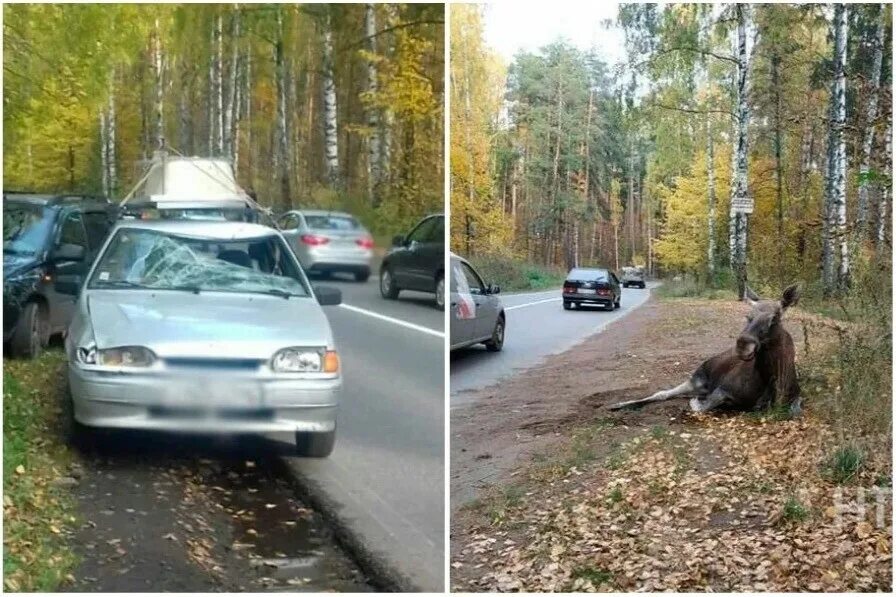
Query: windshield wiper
(119, 284)
(280, 293)
(186, 287)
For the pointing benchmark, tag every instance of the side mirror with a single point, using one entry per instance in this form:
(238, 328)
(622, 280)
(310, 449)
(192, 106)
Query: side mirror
(70, 285)
(328, 295)
(67, 253)
(494, 289)
(398, 240)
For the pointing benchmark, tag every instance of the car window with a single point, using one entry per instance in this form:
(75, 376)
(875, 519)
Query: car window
(289, 222)
(422, 232)
(332, 222)
(473, 279)
(26, 228)
(97, 225)
(72, 232)
(436, 233)
(587, 274)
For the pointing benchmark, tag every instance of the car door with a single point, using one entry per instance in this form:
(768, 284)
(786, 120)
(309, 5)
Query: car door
(405, 259)
(426, 254)
(71, 232)
(463, 321)
(486, 304)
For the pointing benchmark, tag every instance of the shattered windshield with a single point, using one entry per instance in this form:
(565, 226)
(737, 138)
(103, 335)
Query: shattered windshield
(140, 258)
(25, 228)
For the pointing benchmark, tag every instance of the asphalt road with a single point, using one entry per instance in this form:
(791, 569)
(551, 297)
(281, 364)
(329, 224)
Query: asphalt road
(384, 481)
(537, 326)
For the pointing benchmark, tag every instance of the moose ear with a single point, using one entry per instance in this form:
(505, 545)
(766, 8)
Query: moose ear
(750, 296)
(791, 296)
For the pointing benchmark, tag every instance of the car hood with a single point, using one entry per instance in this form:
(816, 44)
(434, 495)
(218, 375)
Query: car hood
(13, 264)
(206, 325)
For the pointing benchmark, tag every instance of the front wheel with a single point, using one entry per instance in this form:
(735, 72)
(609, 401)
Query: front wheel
(31, 334)
(388, 288)
(440, 292)
(312, 444)
(496, 343)
(74, 433)
(567, 305)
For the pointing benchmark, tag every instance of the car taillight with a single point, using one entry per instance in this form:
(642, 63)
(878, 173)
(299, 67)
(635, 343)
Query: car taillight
(314, 240)
(569, 289)
(603, 292)
(365, 243)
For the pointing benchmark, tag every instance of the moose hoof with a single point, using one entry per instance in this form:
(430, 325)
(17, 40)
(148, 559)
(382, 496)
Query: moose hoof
(698, 405)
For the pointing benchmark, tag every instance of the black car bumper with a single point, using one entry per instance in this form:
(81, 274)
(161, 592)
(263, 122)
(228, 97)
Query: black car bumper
(588, 299)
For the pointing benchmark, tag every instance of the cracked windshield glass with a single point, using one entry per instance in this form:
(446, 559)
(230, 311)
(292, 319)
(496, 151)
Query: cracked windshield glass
(157, 260)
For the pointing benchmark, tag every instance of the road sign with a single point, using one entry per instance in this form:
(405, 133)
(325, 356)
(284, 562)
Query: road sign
(742, 205)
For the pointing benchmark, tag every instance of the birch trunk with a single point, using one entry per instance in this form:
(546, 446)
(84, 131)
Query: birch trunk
(331, 138)
(839, 182)
(110, 139)
(237, 112)
(870, 116)
(283, 160)
(885, 187)
(779, 165)
(211, 94)
(248, 101)
(373, 139)
(157, 73)
(740, 191)
(711, 199)
(229, 118)
(104, 154)
(219, 85)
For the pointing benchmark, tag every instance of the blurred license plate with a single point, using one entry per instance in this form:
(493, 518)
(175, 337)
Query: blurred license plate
(587, 291)
(212, 396)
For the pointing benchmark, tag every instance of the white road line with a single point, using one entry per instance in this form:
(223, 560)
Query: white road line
(557, 298)
(401, 322)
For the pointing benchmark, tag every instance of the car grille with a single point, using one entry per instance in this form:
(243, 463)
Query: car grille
(205, 363)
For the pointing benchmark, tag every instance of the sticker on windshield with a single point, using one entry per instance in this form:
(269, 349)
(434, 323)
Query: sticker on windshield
(104, 276)
(466, 307)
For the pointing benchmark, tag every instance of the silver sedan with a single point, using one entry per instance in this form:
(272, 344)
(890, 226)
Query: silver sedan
(477, 314)
(328, 242)
(202, 327)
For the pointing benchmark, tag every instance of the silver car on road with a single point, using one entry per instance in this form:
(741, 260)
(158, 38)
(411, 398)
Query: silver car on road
(328, 242)
(202, 327)
(477, 314)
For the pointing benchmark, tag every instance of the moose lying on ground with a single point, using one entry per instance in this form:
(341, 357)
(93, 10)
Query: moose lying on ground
(758, 372)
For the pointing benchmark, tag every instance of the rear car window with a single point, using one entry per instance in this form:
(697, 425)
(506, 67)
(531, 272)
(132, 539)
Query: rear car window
(331, 222)
(25, 228)
(587, 274)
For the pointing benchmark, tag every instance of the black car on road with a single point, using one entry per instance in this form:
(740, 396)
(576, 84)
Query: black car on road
(591, 286)
(417, 261)
(46, 238)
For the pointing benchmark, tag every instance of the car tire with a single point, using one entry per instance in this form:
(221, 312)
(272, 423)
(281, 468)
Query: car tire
(362, 275)
(315, 444)
(32, 332)
(497, 341)
(388, 288)
(440, 292)
(567, 305)
(618, 303)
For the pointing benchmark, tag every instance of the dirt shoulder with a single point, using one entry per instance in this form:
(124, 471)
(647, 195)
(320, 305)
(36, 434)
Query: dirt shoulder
(551, 491)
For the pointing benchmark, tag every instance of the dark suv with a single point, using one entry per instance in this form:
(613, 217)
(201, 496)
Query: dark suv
(591, 286)
(45, 237)
(417, 261)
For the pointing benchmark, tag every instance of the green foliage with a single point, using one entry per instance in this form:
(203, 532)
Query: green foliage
(794, 511)
(513, 274)
(844, 464)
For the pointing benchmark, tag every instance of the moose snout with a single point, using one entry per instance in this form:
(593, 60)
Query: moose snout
(746, 347)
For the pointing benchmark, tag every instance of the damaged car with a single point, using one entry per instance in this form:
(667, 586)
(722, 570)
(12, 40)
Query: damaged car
(201, 327)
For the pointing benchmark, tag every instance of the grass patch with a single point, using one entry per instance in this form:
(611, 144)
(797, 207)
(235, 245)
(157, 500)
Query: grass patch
(36, 514)
(513, 274)
(616, 495)
(794, 511)
(596, 576)
(844, 464)
(691, 286)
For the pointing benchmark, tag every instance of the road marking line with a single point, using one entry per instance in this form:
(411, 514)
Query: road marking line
(557, 298)
(401, 322)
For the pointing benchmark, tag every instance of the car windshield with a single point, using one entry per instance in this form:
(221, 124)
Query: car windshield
(141, 258)
(587, 274)
(25, 228)
(331, 222)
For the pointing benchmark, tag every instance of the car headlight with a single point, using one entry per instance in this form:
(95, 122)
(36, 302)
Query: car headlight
(305, 360)
(120, 356)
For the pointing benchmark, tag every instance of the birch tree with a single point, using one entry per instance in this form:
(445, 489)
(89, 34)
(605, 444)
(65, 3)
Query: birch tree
(373, 125)
(229, 115)
(331, 138)
(739, 190)
(870, 121)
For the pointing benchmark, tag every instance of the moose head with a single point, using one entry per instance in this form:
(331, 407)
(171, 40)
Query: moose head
(763, 321)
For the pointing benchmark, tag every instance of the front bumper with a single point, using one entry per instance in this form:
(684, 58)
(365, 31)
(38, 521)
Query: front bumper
(203, 401)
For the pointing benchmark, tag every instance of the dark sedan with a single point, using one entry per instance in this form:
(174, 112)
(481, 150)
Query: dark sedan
(417, 261)
(591, 286)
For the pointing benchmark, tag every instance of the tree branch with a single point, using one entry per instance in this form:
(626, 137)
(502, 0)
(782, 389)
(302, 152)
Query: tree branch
(366, 39)
(689, 110)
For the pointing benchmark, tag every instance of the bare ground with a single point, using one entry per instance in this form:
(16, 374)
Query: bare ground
(551, 491)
